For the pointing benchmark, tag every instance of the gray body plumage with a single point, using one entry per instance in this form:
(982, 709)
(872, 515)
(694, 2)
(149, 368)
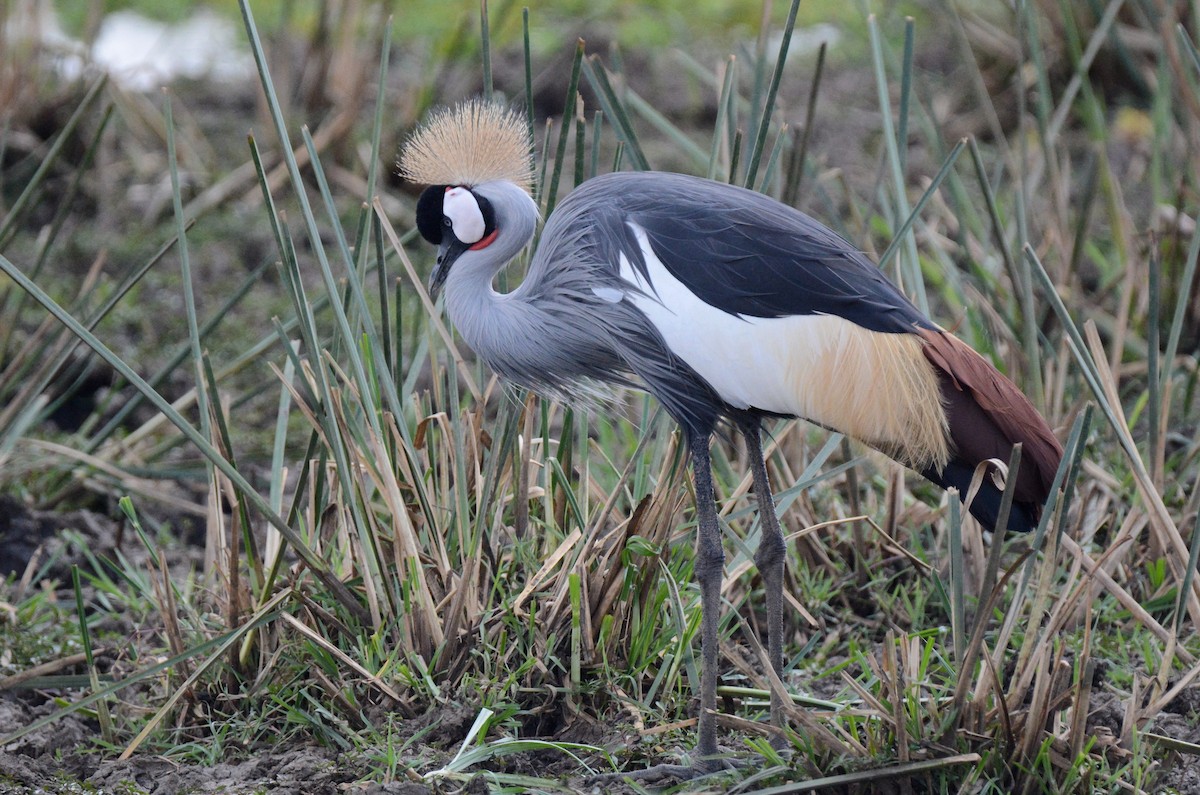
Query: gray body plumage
(727, 305)
(568, 325)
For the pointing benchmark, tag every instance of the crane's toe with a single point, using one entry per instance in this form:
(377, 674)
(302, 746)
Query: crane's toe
(671, 773)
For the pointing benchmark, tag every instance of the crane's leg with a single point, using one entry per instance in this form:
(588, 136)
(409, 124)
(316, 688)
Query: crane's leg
(710, 561)
(769, 558)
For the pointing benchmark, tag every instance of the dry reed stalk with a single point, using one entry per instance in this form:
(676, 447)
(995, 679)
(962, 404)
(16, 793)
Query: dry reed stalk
(814, 731)
(345, 659)
(50, 668)
(1166, 532)
(1127, 600)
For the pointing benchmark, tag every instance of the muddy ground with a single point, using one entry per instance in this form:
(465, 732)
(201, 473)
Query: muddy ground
(63, 756)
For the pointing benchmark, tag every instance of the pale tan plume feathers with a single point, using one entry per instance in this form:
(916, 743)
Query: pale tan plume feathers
(883, 393)
(469, 144)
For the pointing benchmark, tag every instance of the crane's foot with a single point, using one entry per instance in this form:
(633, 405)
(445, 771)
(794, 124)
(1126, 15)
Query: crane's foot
(659, 774)
(672, 773)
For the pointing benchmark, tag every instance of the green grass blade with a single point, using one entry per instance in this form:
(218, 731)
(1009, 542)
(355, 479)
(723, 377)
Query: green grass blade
(189, 294)
(1185, 587)
(485, 38)
(1188, 45)
(1073, 450)
(725, 99)
(735, 150)
(902, 234)
(906, 75)
(597, 127)
(1099, 35)
(580, 142)
(1078, 348)
(791, 190)
(13, 301)
(769, 173)
(528, 74)
(958, 601)
(221, 426)
(1017, 275)
(678, 137)
(17, 211)
(768, 108)
(568, 115)
(1154, 385)
(385, 54)
(910, 269)
(347, 336)
(218, 644)
(614, 108)
(1182, 304)
(279, 445)
(85, 640)
(311, 559)
(13, 431)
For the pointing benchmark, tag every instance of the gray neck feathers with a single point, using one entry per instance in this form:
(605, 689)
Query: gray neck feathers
(552, 334)
(500, 328)
(566, 331)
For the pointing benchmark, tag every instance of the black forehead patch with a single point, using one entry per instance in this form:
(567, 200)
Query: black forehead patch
(429, 213)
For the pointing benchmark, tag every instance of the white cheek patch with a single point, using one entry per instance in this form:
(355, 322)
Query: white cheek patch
(464, 214)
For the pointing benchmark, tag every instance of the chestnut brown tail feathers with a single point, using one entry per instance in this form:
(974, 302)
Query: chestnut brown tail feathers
(988, 415)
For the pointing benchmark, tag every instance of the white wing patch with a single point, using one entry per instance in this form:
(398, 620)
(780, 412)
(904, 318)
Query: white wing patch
(873, 386)
(610, 294)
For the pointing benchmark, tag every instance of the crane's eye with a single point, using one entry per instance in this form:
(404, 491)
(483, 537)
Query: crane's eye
(446, 222)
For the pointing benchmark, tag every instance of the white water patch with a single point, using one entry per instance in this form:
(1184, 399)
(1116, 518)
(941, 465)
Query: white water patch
(139, 53)
(805, 41)
(143, 54)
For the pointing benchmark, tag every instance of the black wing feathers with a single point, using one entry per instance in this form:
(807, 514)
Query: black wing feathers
(748, 255)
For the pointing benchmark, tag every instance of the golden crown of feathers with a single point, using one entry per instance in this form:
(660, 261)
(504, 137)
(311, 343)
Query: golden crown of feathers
(469, 144)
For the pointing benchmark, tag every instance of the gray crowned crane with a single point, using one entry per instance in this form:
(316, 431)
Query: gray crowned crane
(727, 306)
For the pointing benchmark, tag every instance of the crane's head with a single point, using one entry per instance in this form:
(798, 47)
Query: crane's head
(456, 152)
(456, 219)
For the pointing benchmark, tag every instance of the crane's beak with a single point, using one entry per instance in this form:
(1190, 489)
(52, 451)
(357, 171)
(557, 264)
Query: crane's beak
(448, 252)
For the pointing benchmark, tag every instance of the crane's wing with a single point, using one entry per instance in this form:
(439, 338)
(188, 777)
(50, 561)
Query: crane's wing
(988, 415)
(773, 312)
(748, 255)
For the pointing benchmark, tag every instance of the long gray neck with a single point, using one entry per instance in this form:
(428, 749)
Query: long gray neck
(494, 324)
